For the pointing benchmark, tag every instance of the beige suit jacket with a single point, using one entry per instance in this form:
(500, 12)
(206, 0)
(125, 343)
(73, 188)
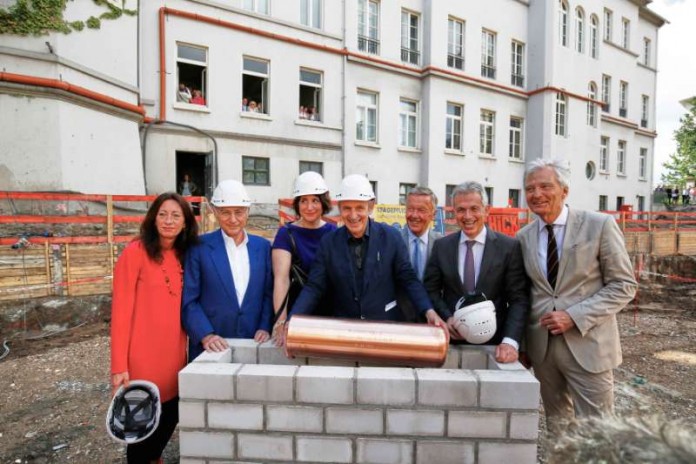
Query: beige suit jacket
(595, 281)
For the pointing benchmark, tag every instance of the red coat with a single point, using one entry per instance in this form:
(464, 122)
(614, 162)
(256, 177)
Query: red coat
(147, 339)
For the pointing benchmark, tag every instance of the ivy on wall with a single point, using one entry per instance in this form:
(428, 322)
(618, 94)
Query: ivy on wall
(40, 17)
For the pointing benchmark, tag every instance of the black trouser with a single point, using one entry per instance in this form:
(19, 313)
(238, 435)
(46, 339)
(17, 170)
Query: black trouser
(151, 448)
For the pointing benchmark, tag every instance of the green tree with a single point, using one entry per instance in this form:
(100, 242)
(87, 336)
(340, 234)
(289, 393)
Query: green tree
(681, 165)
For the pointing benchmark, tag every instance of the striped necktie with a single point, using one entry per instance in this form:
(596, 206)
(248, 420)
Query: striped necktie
(551, 257)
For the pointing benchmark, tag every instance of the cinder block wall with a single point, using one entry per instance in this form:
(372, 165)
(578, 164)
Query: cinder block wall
(250, 404)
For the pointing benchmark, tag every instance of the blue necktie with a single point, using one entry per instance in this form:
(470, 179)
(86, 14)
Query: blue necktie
(417, 258)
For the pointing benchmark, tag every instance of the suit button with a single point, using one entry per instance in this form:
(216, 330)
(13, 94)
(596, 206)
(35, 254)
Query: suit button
(355, 299)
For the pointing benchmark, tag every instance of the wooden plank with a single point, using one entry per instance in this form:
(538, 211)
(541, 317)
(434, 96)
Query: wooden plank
(663, 243)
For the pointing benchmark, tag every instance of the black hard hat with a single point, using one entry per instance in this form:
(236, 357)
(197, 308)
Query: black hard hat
(134, 412)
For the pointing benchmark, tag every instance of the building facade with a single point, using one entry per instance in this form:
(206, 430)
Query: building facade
(410, 92)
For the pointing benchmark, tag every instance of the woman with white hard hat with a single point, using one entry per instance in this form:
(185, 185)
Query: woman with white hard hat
(297, 242)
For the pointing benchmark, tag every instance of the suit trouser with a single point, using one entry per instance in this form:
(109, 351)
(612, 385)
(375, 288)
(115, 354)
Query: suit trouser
(566, 386)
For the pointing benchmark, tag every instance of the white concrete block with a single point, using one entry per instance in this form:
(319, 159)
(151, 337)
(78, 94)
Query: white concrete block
(524, 426)
(495, 453)
(260, 382)
(415, 422)
(472, 357)
(355, 421)
(452, 387)
(323, 384)
(330, 362)
(381, 451)
(386, 386)
(191, 414)
(508, 389)
(453, 359)
(206, 444)
(244, 350)
(208, 381)
(294, 418)
(497, 366)
(235, 416)
(324, 449)
(215, 357)
(446, 452)
(191, 461)
(271, 354)
(476, 424)
(264, 447)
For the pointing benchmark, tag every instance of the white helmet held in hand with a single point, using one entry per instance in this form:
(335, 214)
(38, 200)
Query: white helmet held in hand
(355, 187)
(134, 412)
(476, 322)
(230, 193)
(309, 183)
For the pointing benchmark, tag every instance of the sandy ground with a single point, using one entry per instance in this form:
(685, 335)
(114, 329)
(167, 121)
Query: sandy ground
(54, 390)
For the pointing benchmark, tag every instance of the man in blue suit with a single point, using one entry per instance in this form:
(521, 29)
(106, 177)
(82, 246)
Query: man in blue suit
(361, 264)
(228, 285)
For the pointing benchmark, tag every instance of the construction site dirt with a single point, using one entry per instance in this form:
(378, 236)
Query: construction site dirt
(54, 382)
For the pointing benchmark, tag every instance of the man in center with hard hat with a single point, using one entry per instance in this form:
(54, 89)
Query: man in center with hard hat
(228, 282)
(360, 265)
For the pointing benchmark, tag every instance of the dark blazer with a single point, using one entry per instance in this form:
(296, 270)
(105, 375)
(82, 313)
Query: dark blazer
(210, 303)
(386, 268)
(502, 279)
(410, 313)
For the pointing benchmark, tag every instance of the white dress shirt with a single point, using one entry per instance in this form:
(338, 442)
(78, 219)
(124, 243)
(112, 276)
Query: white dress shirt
(559, 228)
(422, 244)
(238, 256)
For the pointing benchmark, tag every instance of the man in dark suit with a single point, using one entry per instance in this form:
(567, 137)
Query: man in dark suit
(480, 261)
(419, 236)
(360, 265)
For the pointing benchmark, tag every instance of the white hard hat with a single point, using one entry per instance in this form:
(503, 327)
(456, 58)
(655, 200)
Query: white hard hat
(476, 322)
(230, 193)
(355, 187)
(134, 412)
(309, 183)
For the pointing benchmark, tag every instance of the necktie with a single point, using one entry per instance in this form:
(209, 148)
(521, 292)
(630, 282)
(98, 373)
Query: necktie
(416, 261)
(469, 269)
(551, 257)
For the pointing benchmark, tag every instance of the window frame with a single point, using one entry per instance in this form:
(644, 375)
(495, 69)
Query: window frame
(405, 119)
(516, 132)
(604, 147)
(265, 101)
(488, 60)
(256, 170)
(579, 30)
(367, 109)
(191, 62)
(404, 188)
(603, 202)
(307, 13)
(606, 93)
(642, 163)
(561, 119)
(591, 105)
(644, 111)
(594, 37)
(517, 50)
(318, 92)
(257, 6)
(366, 42)
(306, 166)
(451, 121)
(626, 33)
(409, 54)
(621, 158)
(623, 99)
(608, 26)
(455, 60)
(563, 23)
(647, 48)
(487, 133)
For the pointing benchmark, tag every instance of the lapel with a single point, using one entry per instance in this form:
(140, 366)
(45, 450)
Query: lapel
(431, 240)
(575, 221)
(218, 254)
(254, 267)
(371, 264)
(533, 244)
(452, 258)
(487, 259)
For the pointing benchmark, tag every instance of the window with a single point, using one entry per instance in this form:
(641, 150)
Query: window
(646, 51)
(403, 192)
(563, 23)
(449, 188)
(259, 6)
(579, 30)
(644, 110)
(515, 147)
(408, 123)
(487, 132)
(604, 155)
(488, 54)
(514, 198)
(314, 166)
(590, 170)
(603, 202)
(453, 127)
(625, 32)
(619, 203)
(643, 163)
(608, 18)
(517, 78)
(641, 202)
(373, 184)
(561, 115)
(623, 99)
(310, 95)
(310, 13)
(255, 171)
(455, 43)
(410, 52)
(489, 194)
(594, 35)
(192, 72)
(255, 85)
(621, 158)
(368, 26)
(606, 92)
(366, 117)
(591, 105)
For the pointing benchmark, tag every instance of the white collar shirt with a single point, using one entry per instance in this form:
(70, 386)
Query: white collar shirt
(238, 257)
(477, 250)
(559, 229)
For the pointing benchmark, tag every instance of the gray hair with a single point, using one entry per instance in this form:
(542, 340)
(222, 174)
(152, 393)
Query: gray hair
(559, 167)
(420, 190)
(470, 186)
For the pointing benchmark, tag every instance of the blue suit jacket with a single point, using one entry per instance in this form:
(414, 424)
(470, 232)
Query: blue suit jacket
(386, 268)
(210, 300)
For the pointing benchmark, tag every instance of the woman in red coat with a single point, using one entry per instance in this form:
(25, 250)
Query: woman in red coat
(147, 339)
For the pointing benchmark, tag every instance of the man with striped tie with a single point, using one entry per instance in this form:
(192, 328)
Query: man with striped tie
(581, 277)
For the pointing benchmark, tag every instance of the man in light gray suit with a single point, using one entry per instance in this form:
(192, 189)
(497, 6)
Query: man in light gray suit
(581, 277)
(419, 236)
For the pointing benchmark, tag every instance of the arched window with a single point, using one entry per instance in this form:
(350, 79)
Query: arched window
(563, 23)
(591, 105)
(594, 37)
(561, 114)
(579, 30)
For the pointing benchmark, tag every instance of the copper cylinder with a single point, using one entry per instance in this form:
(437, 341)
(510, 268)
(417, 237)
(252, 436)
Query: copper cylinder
(393, 343)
